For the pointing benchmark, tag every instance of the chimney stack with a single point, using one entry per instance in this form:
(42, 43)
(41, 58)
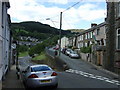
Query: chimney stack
(93, 24)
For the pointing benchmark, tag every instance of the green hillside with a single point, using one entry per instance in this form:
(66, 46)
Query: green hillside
(35, 29)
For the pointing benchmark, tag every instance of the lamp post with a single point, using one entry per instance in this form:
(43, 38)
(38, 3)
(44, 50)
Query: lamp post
(51, 21)
(60, 32)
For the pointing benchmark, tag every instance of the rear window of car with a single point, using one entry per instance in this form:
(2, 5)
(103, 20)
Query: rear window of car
(40, 68)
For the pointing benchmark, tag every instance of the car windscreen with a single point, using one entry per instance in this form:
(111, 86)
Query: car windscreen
(40, 68)
(74, 52)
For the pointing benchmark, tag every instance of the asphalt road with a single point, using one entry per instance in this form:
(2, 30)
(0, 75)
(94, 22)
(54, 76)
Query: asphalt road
(75, 79)
(85, 69)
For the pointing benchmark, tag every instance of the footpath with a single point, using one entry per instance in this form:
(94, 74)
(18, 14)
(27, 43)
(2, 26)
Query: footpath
(11, 81)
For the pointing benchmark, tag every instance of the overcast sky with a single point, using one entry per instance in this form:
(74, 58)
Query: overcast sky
(78, 17)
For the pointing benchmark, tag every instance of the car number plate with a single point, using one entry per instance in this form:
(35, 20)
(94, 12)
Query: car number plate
(45, 81)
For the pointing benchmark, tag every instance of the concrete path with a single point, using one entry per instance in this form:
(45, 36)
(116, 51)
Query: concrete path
(11, 80)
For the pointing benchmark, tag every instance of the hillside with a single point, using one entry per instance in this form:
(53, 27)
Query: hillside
(33, 26)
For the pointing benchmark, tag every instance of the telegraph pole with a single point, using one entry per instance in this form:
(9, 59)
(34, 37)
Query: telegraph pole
(60, 33)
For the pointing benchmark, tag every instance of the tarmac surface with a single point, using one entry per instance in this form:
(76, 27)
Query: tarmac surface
(11, 80)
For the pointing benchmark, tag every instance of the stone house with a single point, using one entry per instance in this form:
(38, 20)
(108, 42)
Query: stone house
(64, 42)
(5, 39)
(94, 37)
(96, 34)
(113, 36)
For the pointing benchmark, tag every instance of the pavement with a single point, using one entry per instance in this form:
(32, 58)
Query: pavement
(11, 80)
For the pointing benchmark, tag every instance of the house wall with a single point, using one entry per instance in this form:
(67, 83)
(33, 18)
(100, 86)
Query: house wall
(93, 37)
(117, 26)
(1, 41)
(64, 42)
(110, 37)
(4, 39)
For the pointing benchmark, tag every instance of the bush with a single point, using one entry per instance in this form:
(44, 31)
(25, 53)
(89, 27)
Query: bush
(22, 48)
(37, 49)
(86, 49)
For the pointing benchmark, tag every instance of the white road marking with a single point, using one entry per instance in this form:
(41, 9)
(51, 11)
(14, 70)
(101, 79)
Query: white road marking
(89, 75)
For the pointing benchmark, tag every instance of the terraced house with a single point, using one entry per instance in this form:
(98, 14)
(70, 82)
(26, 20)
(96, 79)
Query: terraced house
(5, 38)
(95, 37)
(96, 34)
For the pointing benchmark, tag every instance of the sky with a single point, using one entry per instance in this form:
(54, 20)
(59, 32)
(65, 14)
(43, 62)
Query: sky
(80, 16)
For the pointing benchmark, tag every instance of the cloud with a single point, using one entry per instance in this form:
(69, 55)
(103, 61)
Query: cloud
(91, 12)
(30, 10)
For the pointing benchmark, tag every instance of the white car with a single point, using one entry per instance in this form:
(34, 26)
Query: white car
(36, 76)
(74, 54)
(68, 51)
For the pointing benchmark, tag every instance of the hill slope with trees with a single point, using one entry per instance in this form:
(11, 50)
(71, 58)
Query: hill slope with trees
(35, 29)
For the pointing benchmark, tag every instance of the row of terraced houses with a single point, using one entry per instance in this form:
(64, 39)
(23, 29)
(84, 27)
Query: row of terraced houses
(5, 40)
(104, 40)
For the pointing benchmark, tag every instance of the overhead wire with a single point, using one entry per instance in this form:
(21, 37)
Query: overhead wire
(65, 10)
(71, 6)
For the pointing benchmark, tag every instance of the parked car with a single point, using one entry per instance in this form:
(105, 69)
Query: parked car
(74, 54)
(56, 48)
(68, 51)
(39, 76)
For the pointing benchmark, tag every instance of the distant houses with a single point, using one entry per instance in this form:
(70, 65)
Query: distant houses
(5, 39)
(28, 41)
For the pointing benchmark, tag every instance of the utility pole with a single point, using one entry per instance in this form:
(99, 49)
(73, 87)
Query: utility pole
(60, 33)
(17, 65)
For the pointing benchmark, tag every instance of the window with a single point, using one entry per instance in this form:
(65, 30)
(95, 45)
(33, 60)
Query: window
(118, 10)
(91, 34)
(82, 37)
(118, 39)
(2, 13)
(86, 36)
(98, 31)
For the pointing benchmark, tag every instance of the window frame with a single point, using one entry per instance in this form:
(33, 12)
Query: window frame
(118, 48)
(118, 9)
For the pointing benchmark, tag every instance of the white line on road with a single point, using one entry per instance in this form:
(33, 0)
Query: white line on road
(89, 75)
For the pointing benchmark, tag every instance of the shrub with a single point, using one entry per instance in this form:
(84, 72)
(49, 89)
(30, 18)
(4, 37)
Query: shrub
(22, 48)
(86, 49)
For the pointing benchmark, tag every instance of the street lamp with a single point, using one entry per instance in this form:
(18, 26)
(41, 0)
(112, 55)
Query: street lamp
(51, 21)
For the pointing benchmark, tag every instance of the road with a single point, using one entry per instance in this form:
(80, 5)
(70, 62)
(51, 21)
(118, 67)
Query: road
(79, 78)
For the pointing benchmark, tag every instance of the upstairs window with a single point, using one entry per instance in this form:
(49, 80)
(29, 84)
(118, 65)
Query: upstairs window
(2, 13)
(118, 10)
(98, 31)
(118, 39)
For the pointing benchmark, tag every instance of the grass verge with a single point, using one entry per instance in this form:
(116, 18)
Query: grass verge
(23, 54)
(40, 57)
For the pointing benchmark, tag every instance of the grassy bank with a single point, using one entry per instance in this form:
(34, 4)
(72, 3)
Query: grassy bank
(40, 57)
(23, 54)
(43, 58)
